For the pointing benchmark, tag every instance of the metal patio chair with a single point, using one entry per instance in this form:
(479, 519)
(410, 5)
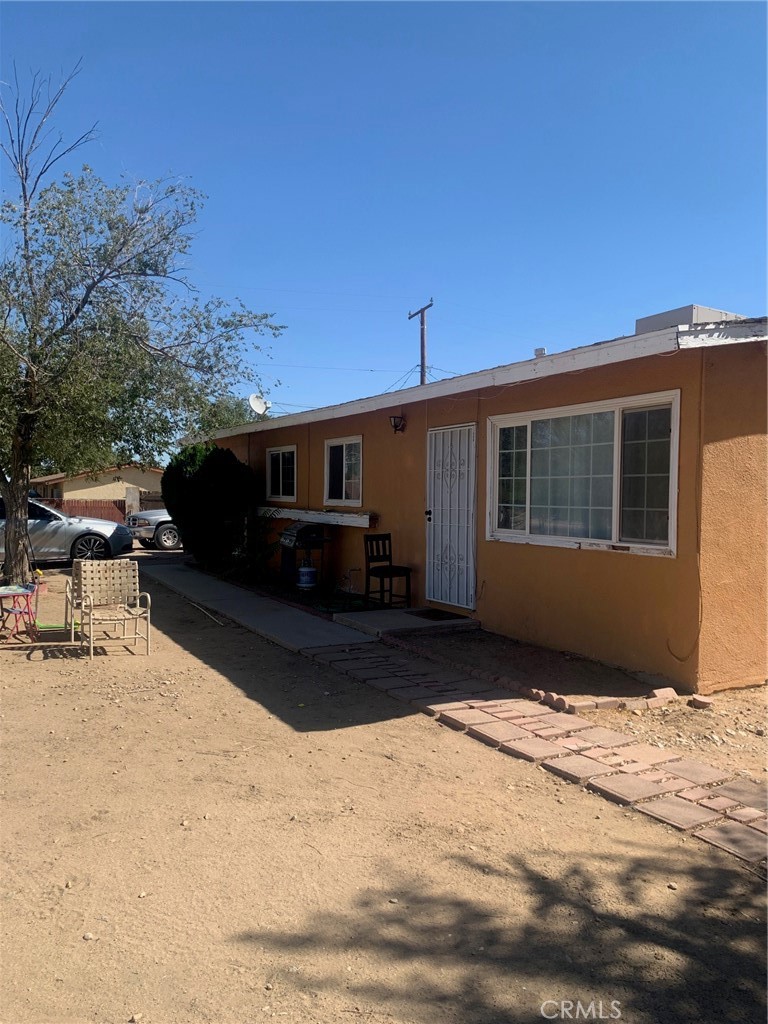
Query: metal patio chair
(107, 597)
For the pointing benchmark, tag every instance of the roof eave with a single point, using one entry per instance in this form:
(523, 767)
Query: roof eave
(603, 353)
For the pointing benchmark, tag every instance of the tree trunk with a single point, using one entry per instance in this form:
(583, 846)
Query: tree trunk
(17, 566)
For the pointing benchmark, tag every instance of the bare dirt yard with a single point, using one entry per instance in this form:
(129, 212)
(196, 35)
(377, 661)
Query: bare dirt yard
(226, 832)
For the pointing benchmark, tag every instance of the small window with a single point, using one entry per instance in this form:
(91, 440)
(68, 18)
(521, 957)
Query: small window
(281, 473)
(343, 471)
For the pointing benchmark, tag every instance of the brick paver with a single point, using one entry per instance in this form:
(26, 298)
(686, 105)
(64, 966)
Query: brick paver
(698, 772)
(629, 789)
(577, 768)
(364, 674)
(463, 719)
(647, 753)
(746, 791)
(498, 732)
(570, 722)
(679, 813)
(509, 715)
(434, 705)
(494, 706)
(387, 682)
(602, 737)
(695, 794)
(530, 710)
(745, 814)
(573, 743)
(533, 749)
(549, 732)
(718, 803)
(412, 693)
(632, 767)
(736, 838)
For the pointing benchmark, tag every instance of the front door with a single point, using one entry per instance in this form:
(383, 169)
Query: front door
(451, 516)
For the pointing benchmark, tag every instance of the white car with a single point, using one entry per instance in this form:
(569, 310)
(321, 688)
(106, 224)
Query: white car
(55, 536)
(154, 529)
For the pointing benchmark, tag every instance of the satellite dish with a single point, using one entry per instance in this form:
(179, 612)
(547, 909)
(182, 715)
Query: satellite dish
(258, 404)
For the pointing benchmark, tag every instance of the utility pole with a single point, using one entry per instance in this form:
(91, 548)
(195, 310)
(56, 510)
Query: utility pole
(422, 314)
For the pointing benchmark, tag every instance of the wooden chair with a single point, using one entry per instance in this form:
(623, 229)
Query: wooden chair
(107, 596)
(378, 566)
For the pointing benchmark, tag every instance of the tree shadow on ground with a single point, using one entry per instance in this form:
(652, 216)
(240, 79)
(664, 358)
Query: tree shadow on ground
(595, 935)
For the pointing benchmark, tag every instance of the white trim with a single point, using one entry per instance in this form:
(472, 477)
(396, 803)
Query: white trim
(603, 353)
(278, 451)
(728, 333)
(352, 439)
(306, 515)
(616, 405)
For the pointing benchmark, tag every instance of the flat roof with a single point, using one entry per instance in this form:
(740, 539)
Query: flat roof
(602, 353)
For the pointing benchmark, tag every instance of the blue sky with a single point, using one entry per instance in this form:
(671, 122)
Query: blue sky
(547, 172)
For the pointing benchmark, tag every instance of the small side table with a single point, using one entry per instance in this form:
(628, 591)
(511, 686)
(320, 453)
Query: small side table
(16, 611)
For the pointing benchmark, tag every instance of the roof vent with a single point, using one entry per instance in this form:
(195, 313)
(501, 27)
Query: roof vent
(683, 315)
(539, 352)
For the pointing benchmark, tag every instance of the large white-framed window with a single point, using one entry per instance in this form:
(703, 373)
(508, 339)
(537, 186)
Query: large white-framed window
(281, 473)
(600, 475)
(344, 471)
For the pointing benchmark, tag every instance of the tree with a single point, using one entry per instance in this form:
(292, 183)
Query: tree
(105, 350)
(223, 412)
(209, 493)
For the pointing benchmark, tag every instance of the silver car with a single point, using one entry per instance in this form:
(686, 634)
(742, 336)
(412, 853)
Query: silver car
(154, 529)
(56, 537)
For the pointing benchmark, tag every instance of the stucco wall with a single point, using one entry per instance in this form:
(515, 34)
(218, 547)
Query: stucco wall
(106, 487)
(734, 514)
(637, 611)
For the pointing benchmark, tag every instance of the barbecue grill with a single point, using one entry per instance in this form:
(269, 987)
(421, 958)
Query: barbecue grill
(305, 538)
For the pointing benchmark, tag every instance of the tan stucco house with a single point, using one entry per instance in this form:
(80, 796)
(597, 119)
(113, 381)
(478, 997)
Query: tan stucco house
(608, 500)
(112, 493)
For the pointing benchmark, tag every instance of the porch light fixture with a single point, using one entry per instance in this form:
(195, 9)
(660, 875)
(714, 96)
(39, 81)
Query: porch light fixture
(398, 423)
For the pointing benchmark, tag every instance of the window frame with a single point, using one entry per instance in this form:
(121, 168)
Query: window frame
(618, 406)
(278, 451)
(333, 441)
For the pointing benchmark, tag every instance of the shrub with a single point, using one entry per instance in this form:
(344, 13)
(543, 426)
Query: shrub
(208, 493)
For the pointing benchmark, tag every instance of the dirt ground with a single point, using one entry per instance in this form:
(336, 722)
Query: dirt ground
(225, 832)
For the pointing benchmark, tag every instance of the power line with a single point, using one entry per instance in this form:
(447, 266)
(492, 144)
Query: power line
(346, 369)
(400, 382)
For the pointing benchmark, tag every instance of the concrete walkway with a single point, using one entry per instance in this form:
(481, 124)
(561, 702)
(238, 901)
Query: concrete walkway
(721, 808)
(289, 627)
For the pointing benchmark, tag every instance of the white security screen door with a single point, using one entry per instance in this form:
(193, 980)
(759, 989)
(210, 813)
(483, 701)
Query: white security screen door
(450, 516)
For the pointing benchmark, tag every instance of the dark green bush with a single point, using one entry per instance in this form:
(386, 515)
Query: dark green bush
(209, 493)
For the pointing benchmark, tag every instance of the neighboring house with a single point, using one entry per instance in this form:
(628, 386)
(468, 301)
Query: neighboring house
(112, 494)
(609, 500)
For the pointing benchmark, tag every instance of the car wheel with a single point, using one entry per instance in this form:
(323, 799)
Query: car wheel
(167, 537)
(91, 546)
(146, 543)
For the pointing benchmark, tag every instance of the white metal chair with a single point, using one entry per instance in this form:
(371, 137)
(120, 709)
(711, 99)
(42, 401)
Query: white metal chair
(107, 597)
